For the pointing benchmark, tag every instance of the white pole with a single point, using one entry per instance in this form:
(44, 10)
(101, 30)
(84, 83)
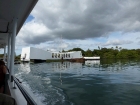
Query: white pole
(13, 37)
(8, 58)
(4, 53)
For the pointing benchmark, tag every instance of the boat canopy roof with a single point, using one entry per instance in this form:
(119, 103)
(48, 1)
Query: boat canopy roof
(10, 10)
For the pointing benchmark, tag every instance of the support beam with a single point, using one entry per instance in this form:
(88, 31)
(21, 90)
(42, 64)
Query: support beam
(9, 50)
(13, 37)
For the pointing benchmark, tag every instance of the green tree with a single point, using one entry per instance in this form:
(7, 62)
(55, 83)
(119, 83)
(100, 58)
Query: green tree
(88, 53)
(17, 57)
(99, 47)
(116, 47)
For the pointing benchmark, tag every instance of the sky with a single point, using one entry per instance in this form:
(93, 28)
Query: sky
(65, 24)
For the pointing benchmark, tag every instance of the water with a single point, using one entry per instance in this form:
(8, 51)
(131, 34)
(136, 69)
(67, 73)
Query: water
(92, 83)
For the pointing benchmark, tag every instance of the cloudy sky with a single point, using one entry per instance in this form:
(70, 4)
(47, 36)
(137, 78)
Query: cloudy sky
(66, 24)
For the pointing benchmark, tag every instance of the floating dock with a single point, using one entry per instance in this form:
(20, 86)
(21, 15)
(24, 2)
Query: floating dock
(92, 58)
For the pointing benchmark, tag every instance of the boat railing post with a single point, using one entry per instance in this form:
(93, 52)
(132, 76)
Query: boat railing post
(8, 50)
(14, 87)
(13, 37)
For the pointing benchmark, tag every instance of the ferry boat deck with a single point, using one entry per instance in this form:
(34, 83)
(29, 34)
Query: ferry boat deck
(13, 14)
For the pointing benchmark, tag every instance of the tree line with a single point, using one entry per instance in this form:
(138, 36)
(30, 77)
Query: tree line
(110, 53)
(104, 53)
(16, 57)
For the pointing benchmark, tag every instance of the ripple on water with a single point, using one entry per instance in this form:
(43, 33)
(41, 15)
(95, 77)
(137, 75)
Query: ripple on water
(109, 84)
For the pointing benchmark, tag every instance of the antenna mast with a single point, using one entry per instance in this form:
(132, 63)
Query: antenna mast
(61, 43)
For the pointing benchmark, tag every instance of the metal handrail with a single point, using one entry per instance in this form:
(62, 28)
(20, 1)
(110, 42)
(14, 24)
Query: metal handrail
(28, 98)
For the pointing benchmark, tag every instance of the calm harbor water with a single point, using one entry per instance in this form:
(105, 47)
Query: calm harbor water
(92, 83)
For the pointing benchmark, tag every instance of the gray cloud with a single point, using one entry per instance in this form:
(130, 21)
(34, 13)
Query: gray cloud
(116, 42)
(137, 38)
(138, 42)
(81, 19)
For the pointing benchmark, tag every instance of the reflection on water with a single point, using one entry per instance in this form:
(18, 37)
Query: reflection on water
(92, 83)
(92, 62)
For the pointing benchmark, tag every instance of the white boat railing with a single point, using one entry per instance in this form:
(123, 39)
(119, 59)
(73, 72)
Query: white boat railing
(16, 81)
(28, 98)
